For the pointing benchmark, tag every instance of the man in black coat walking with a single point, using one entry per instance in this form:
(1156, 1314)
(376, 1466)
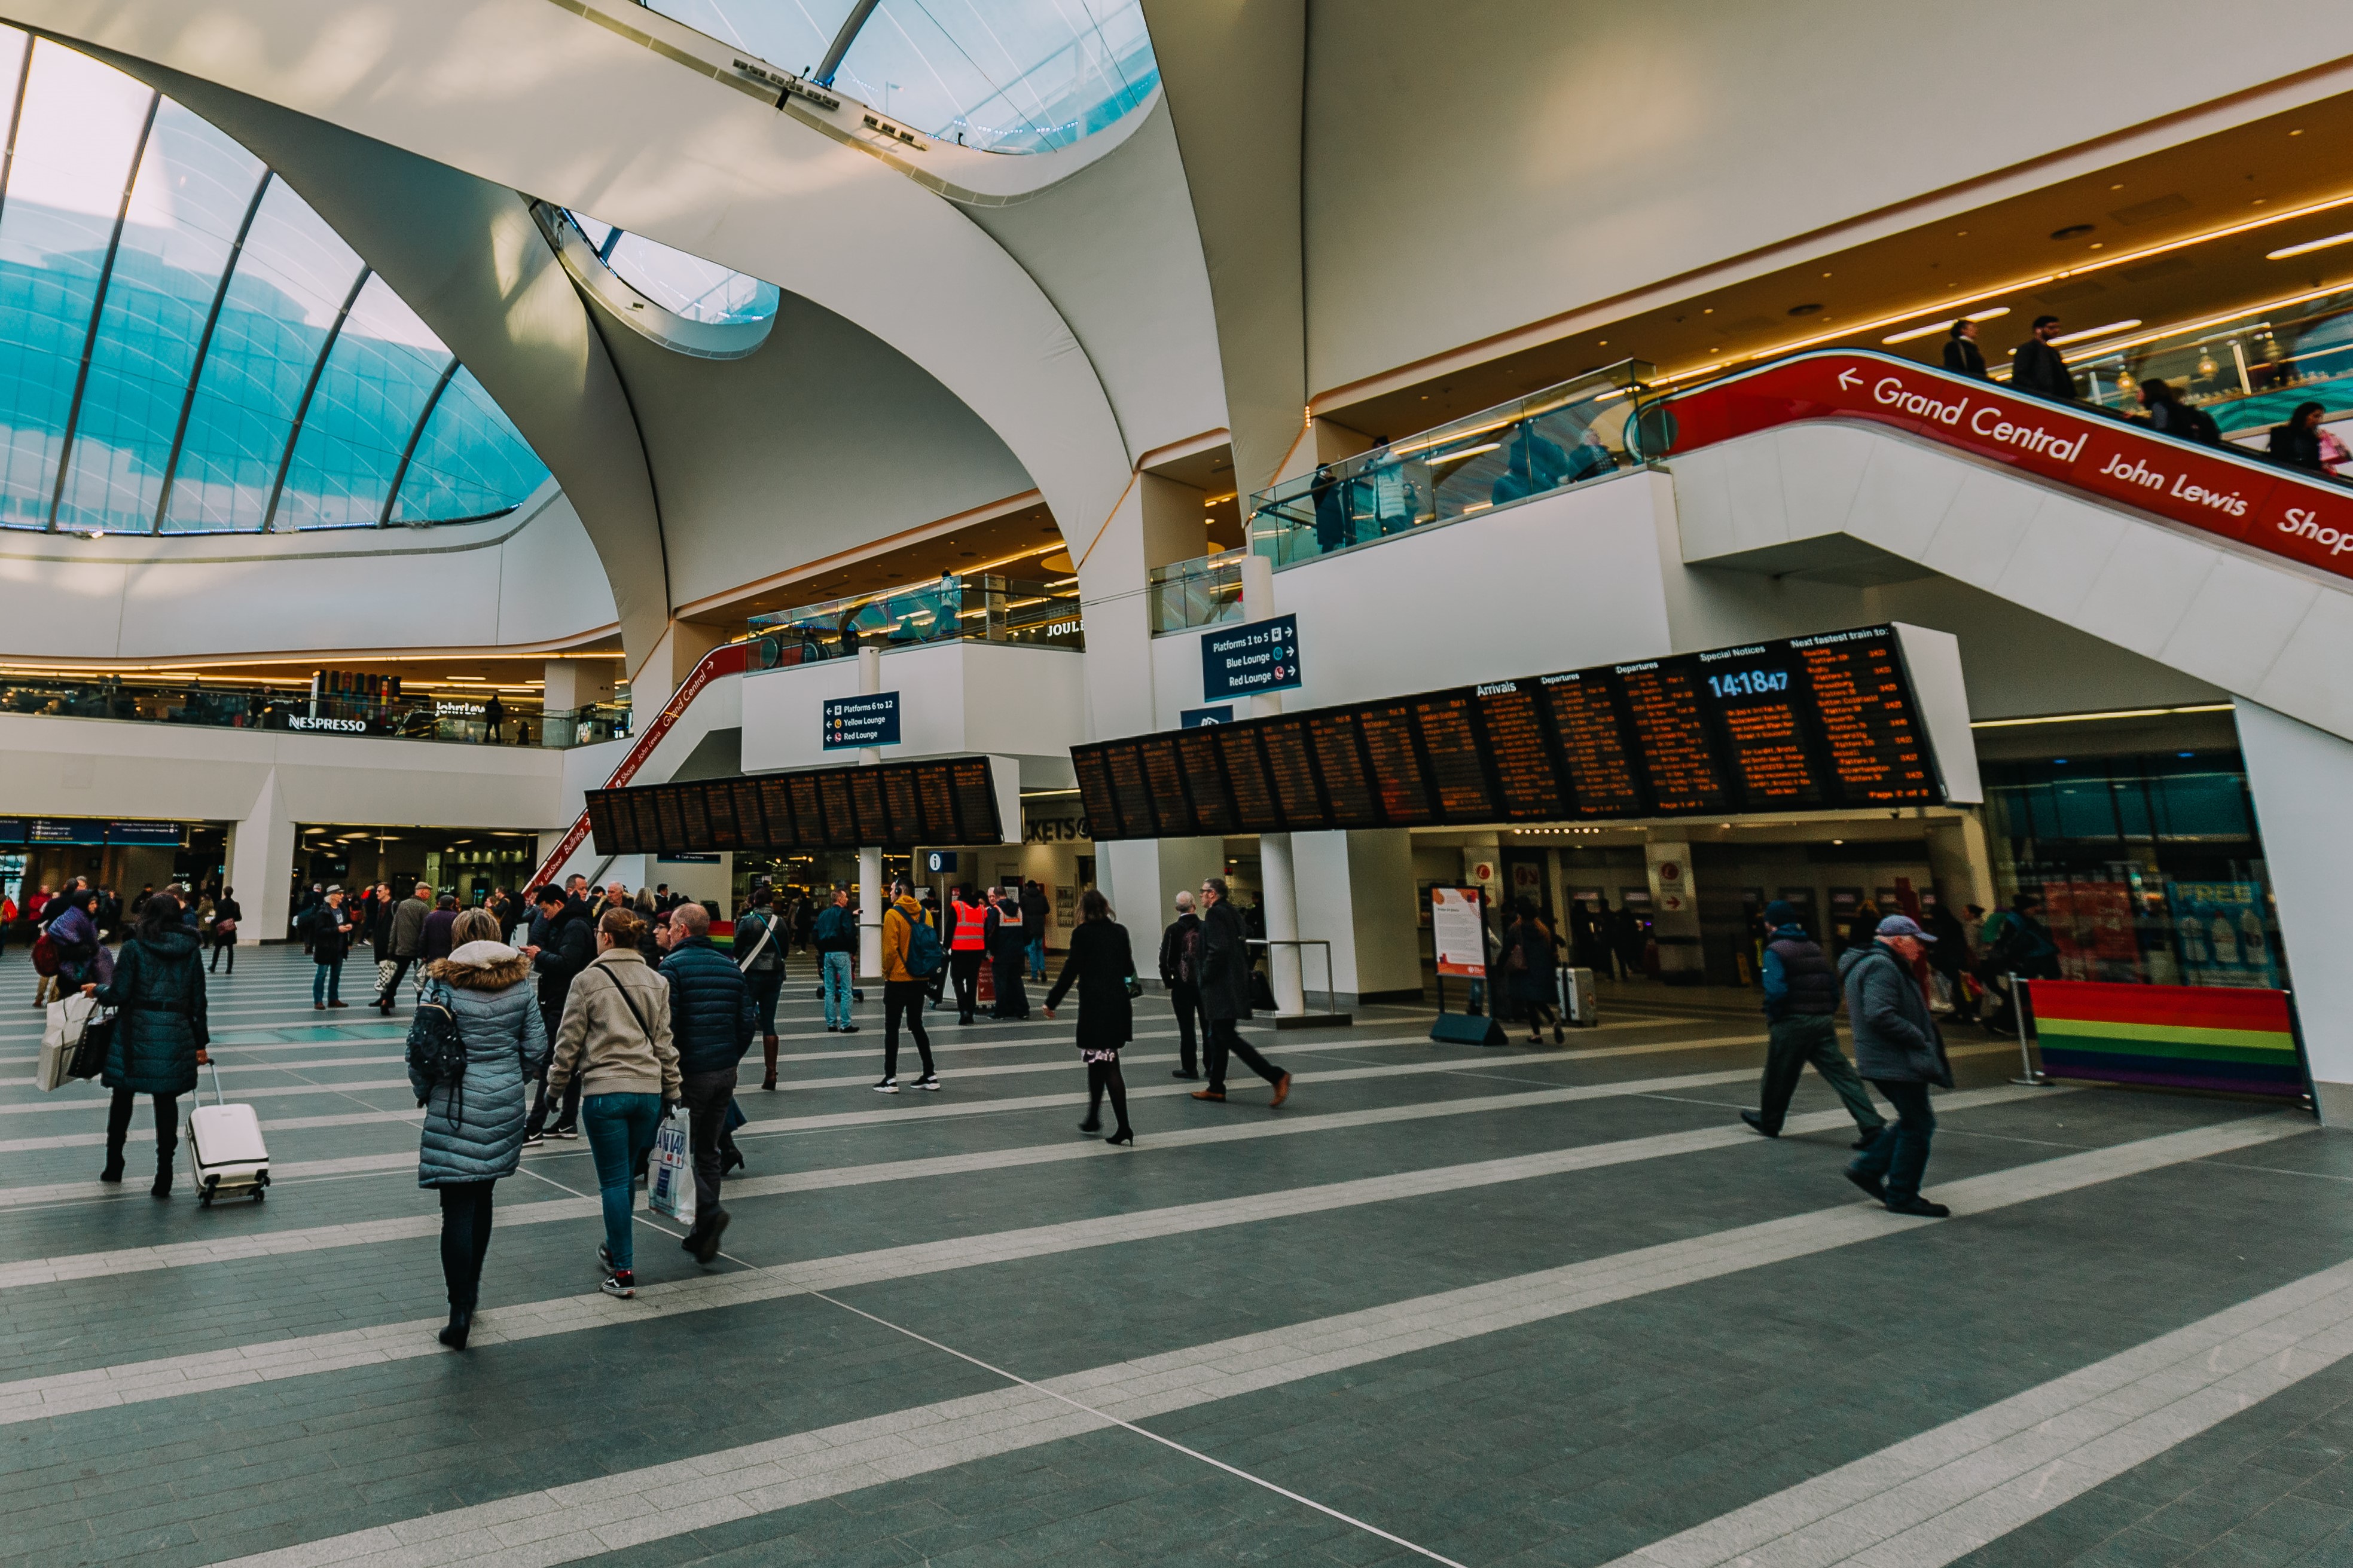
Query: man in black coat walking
(711, 1022)
(1225, 995)
(2037, 367)
(566, 947)
(1180, 971)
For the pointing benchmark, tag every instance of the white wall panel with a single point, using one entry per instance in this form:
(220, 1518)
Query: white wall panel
(954, 698)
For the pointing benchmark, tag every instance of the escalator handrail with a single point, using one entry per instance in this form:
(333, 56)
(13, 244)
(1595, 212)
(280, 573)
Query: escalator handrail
(2224, 492)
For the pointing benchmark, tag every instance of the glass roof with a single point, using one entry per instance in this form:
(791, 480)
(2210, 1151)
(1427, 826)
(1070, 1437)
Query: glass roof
(684, 285)
(1007, 76)
(186, 347)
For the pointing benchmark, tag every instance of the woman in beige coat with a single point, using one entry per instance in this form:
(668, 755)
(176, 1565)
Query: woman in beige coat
(616, 1038)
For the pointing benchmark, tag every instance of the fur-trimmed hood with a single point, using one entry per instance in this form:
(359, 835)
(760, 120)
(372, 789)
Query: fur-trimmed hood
(481, 966)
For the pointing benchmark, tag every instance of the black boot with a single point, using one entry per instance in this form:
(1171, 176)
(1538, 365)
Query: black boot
(113, 1172)
(462, 1322)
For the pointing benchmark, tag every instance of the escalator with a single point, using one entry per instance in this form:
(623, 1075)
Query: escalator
(2216, 562)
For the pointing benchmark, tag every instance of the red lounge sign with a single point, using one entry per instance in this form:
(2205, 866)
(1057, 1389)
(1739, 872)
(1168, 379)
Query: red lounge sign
(2242, 498)
(727, 660)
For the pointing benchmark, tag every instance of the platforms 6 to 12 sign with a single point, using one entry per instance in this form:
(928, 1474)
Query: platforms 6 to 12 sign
(854, 722)
(1242, 661)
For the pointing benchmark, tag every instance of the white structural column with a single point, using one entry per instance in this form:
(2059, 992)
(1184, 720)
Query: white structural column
(2301, 778)
(1280, 891)
(260, 863)
(870, 858)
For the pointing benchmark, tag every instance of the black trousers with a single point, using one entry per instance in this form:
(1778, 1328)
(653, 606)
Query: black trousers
(1012, 1001)
(1225, 1036)
(903, 997)
(465, 1239)
(167, 1126)
(1186, 1000)
(1103, 1076)
(963, 968)
(225, 943)
(400, 967)
(707, 1096)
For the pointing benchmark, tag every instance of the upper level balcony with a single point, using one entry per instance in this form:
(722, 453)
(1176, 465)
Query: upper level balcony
(952, 609)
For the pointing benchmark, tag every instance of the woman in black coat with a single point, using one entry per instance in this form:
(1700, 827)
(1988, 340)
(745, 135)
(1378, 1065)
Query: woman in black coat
(159, 1032)
(1101, 965)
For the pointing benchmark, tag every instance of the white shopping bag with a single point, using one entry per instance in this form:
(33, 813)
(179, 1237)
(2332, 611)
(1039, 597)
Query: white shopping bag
(670, 1174)
(60, 1038)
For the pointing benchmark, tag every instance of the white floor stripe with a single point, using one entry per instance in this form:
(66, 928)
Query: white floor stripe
(626, 1508)
(168, 1377)
(1942, 1495)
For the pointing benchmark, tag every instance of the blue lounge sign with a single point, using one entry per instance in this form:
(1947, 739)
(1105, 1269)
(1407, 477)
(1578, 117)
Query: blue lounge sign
(1242, 661)
(853, 723)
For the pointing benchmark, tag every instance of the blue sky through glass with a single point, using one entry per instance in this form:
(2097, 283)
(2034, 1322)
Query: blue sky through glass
(192, 198)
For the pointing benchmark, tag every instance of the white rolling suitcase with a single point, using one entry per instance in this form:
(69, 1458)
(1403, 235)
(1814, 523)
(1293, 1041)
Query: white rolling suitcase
(226, 1146)
(1578, 1004)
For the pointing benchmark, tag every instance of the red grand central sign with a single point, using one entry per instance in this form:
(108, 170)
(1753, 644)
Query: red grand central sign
(2300, 519)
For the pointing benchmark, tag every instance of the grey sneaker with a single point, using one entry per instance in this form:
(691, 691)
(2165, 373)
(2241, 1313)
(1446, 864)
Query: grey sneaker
(888, 1086)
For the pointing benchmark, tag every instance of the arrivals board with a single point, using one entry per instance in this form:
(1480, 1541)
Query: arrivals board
(898, 805)
(1821, 722)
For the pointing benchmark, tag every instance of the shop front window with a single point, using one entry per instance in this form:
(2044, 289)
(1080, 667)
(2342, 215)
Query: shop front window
(2149, 867)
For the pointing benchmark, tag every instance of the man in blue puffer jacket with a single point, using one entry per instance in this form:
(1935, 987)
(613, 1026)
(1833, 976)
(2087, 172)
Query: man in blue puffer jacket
(711, 1017)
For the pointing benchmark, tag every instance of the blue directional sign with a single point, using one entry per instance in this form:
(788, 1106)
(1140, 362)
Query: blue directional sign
(1244, 660)
(852, 723)
(1194, 718)
(940, 861)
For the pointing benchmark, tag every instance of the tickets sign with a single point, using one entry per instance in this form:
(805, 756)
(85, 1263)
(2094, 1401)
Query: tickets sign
(2215, 490)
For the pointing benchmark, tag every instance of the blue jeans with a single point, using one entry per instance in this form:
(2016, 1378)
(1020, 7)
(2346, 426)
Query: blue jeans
(837, 990)
(620, 1129)
(765, 983)
(327, 985)
(1037, 958)
(1900, 1154)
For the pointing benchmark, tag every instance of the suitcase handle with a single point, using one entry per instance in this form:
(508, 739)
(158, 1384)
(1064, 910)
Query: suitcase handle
(218, 1098)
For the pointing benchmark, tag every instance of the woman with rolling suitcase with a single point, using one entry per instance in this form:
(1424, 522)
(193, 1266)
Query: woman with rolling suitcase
(159, 1032)
(474, 1106)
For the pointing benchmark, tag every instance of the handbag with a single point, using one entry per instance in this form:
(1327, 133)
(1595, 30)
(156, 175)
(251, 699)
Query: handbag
(90, 1055)
(1134, 988)
(386, 969)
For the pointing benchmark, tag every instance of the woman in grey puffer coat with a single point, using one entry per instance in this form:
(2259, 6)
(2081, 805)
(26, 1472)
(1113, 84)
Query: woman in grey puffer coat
(473, 1127)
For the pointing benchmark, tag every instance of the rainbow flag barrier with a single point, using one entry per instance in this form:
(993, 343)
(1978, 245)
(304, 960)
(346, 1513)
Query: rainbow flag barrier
(2238, 1039)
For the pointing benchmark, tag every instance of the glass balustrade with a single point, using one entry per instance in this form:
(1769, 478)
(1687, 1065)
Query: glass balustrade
(419, 718)
(952, 609)
(1546, 441)
(1196, 592)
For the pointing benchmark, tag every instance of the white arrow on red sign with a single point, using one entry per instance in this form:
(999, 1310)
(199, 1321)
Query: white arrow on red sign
(1847, 378)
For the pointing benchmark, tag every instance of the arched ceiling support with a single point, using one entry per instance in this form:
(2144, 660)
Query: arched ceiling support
(1236, 80)
(536, 98)
(467, 258)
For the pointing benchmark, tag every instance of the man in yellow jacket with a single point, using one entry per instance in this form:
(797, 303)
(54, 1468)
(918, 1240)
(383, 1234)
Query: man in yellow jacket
(903, 991)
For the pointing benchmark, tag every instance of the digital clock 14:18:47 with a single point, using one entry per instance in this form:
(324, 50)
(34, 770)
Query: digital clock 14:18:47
(1748, 682)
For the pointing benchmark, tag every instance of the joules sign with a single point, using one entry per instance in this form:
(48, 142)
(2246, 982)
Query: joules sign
(2238, 498)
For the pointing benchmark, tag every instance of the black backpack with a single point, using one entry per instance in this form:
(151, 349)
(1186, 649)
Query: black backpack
(436, 1051)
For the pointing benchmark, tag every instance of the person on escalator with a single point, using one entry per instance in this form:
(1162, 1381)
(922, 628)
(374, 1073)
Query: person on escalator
(2296, 444)
(2164, 410)
(2037, 367)
(1962, 355)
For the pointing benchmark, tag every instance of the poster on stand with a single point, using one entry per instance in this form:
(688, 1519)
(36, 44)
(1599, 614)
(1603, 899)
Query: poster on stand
(1458, 932)
(2092, 925)
(2219, 933)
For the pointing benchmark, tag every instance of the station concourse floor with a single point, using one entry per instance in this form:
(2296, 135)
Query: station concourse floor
(1516, 1305)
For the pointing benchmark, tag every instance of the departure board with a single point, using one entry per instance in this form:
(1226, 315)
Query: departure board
(1819, 722)
(1213, 811)
(866, 806)
(1671, 737)
(1291, 773)
(1757, 695)
(1585, 715)
(719, 806)
(1398, 776)
(906, 812)
(1530, 785)
(1878, 745)
(665, 813)
(840, 814)
(601, 822)
(1455, 769)
(975, 798)
(1166, 780)
(1332, 738)
(897, 804)
(1131, 795)
(1247, 773)
(751, 825)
